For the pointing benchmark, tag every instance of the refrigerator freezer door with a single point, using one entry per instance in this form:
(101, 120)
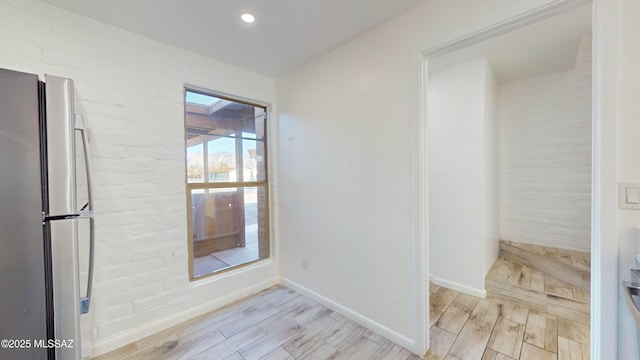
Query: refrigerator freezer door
(22, 283)
(63, 212)
(61, 146)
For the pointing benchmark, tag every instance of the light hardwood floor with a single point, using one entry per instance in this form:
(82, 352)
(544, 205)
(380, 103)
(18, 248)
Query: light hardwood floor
(465, 327)
(510, 281)
(572, 267)
(279, 323)
(276, 324)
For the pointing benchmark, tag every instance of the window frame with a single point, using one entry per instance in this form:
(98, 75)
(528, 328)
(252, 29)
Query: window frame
(229, 184)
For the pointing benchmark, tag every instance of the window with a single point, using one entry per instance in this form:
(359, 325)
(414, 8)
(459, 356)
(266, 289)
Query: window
(227, 190)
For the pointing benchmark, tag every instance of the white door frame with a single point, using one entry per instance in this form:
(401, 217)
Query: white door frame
(603, 302)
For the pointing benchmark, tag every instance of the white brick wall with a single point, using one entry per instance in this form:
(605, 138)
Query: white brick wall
(545, 157)
(130, 89)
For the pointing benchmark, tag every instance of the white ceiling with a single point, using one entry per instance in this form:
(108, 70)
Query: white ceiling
(544, 47)
(286, 34)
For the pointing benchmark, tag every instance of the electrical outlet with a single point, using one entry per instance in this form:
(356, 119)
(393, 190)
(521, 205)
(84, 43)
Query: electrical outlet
(305, 264)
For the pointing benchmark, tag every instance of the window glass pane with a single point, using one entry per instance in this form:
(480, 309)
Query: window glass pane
(229, 227)
(193, 98)
(226, 182)
(195, 163)
(225, 129)
(253, 152)
(222, 159)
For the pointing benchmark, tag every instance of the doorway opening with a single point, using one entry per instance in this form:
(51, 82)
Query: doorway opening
(509, 151)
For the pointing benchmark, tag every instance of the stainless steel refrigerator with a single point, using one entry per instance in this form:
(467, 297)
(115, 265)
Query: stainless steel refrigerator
(46, 218)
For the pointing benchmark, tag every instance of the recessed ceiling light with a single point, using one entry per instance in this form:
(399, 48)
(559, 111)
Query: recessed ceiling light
(248, 18)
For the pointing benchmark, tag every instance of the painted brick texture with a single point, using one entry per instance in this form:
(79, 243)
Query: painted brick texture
(130, 89)
(545, 157)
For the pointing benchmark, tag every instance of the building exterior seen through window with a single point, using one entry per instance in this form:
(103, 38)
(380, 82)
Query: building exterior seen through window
(227, 190)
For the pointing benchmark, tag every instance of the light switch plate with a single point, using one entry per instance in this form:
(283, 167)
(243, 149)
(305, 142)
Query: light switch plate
(624, 190)
(633, 195)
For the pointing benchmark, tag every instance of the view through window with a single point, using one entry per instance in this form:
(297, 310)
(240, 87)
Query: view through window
(226, 182)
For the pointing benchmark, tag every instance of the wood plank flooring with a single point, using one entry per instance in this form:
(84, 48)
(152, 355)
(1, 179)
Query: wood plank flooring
(276, 324)
(512, 273)
(511, 281)
(280, 324)
(576, 259)
(572, 267)
(467, 328)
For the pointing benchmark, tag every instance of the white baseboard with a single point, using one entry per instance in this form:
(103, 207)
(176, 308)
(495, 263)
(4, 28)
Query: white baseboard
(123, 338)
(352, 315)
(481, 293)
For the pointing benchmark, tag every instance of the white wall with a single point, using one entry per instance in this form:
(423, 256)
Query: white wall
(628, 165)
(131, 90)
(462, 175)
(545, 158)
(360, 92)
(607, 99)
(491, 179)
(346, 195)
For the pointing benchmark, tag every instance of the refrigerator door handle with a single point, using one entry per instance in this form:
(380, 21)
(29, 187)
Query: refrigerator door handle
(87, 212)
(85, 301)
